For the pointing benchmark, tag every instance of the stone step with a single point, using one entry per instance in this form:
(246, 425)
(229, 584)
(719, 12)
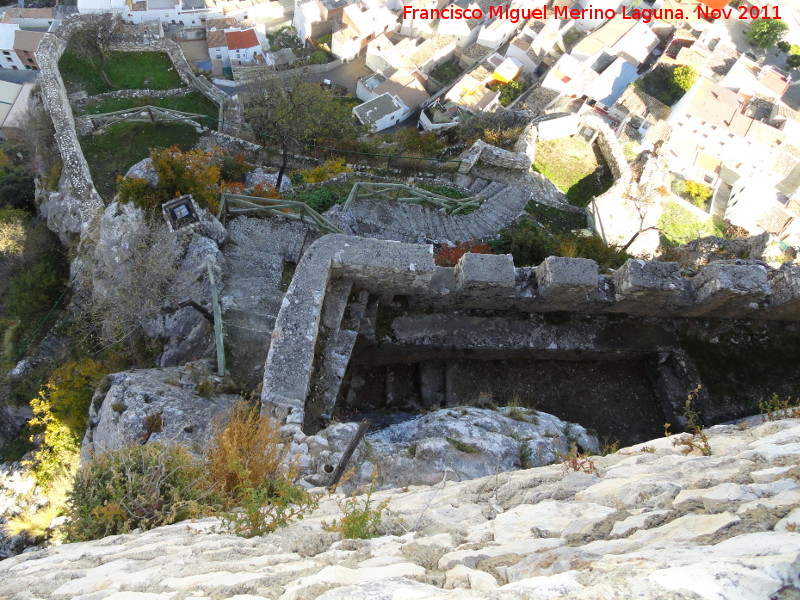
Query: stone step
(490, 190)
(478, 185)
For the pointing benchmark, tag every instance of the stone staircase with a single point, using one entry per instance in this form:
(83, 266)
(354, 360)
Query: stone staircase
(413, 223)
(256, 255)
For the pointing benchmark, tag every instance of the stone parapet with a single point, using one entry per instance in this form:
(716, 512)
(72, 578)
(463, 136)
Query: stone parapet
(388, 269)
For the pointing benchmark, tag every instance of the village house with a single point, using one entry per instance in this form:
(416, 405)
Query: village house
(470, 94)
(359, 27)
(15, 91)
(629, 39)
(465, 31)
(381, 112)
(406, 85)
(26, 43)
(41, 19)
(416, 19)
(383, 54)
(229, 45)
(534, 44)
(306, 16)
(9, 59)
(184, 13)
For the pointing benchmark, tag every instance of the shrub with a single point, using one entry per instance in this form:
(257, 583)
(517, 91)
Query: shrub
(233, 168)
(775, 408)
(194, 172)
(412, 141)
(360, 519)
(326, 170)
(578, 462)
(137, 487)
(319, 57)
(683, 77)
(265, 509)
(449, 255)
(16, 188)
(696, 439)
(246, 451)
(60, 412)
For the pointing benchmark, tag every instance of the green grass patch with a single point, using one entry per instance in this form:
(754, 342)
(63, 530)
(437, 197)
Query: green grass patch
(575, 167)
(462, 446)
(125, 70)
(447, 72)
(442, 190)
(194, 102)
(325, 197)
(554, 219)
(679, 225)
(660, 84)
(112, 153)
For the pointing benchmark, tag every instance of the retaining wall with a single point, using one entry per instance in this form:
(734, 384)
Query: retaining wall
(249, 73)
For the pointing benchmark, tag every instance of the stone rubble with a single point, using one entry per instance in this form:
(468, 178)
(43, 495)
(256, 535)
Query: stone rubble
(651, 523)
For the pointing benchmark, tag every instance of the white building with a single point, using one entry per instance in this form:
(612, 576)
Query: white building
(188, 13)
(359, 27)
(381, 112)
(423, 55)
(465, 31)
(10, 59)
(628, 39)
(306, 14)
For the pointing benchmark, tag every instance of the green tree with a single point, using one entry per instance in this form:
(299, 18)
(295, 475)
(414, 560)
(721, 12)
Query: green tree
(764, 34)
(16, 188)
(684, 77)
(94, 37)
(290, 115)
(793, 61)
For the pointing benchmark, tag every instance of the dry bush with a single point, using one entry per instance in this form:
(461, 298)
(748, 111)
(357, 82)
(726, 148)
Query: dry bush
(247, 451)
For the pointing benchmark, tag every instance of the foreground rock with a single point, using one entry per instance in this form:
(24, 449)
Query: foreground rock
(651, 523)
(176, 405)
(457, 443)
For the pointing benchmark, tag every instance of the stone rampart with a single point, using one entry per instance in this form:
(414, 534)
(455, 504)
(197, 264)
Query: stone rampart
(738, 289)
(74, 206)
(76, 182)
(247, 74)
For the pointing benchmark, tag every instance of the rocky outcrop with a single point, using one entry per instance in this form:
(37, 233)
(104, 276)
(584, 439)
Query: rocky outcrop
(457, 444)
(142, 274)
(175, 405)
(259, 176)
(648, 522)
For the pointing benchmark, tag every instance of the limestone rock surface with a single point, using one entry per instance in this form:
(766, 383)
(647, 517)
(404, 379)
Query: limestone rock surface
(454, 443)
(150, 405)
(546, 532)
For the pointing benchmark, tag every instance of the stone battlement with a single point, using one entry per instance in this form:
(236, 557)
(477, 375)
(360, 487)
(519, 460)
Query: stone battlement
(387, 269)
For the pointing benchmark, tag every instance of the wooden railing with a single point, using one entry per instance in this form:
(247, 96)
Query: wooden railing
(232, 205)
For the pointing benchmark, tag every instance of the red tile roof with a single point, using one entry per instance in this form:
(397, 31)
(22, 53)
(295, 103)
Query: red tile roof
(239, 40)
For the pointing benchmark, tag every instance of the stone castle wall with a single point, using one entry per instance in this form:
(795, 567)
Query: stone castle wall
(731, 290)
(77, 199)
(77, 202)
